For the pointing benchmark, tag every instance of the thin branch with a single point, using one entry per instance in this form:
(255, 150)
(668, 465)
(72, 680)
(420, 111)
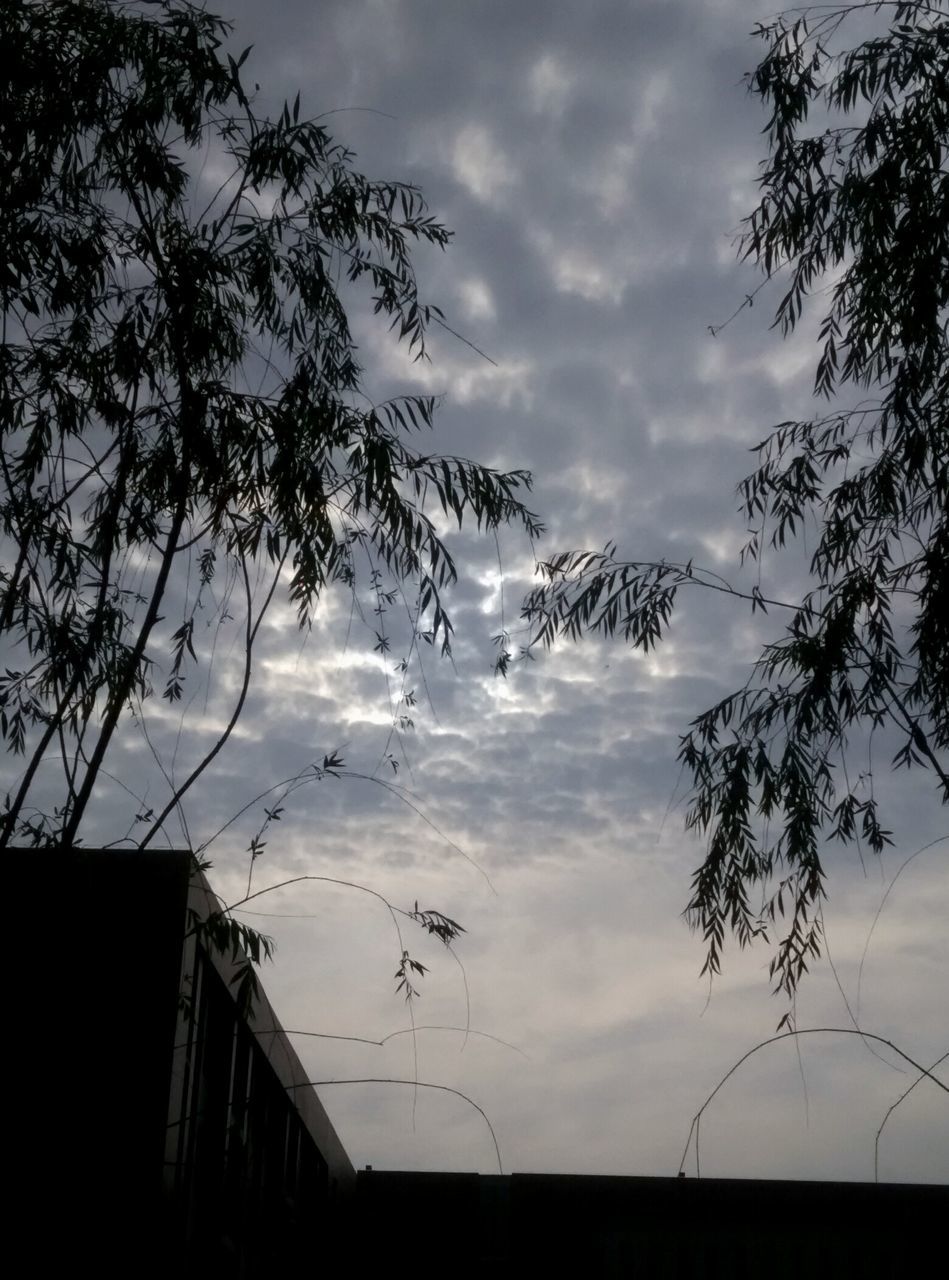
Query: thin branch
(464, 978)
(787, 1035)
(905, 1094)
(412, 1084)
(404, 1031)
(122, 687)
(879, 911)
(477, 350)
(313, 773)
(465, 1031)
(347, 884)
(843, 995)
(252, 627)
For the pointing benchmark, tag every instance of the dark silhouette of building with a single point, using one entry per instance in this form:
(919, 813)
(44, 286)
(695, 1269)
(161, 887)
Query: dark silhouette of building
(153, 1136)
(527, 1225)
(156, 1136)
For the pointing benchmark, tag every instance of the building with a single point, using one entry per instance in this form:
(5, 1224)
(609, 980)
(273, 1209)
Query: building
(159, 1130)
(153, 1135)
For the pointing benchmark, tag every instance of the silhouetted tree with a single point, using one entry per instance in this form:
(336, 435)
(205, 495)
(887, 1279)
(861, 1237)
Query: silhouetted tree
(181, 402)
(854, 209)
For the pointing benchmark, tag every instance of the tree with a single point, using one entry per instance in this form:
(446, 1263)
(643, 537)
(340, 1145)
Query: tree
(185, 422)
(854, 207)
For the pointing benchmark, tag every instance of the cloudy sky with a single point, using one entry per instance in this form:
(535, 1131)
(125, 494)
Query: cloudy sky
(593, 161)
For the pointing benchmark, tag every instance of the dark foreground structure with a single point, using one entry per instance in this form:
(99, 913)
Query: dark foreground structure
(153, 1136)
(528, 1225)
(158, 1130)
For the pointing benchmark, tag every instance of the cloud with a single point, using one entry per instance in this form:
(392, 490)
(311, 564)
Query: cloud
(594, 161)
(480, 164)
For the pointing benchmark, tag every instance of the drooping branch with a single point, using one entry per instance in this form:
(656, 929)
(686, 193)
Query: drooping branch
(925, 1073)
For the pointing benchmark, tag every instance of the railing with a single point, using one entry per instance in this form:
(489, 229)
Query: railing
(253, 1172)
(243, 1175)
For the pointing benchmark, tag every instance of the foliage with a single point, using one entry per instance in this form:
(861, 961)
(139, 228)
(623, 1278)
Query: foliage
(182, 408)
(854, 208)
(246, 948)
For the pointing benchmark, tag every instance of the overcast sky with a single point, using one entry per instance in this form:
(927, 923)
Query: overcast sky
(594, 161)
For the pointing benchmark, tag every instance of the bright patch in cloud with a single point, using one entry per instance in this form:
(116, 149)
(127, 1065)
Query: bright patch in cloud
(654, 95)
(611, 184)
(549, 84)
(504, 384)
(480, 164)
(661, 663)
(578, 272)
(724, 545)
(477, 302)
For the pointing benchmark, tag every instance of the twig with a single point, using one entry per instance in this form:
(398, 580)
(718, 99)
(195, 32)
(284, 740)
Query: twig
(786, 1035)
(412, 1084)
(883, 900)
(905, 1094)
(404, 1031)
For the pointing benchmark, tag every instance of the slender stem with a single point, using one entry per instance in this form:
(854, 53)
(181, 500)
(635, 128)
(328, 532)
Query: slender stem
(189, 429)
(252, 627)
(55, 722)
(122, 687)
(414, 1084)
(892, 1107)
(787, 1035)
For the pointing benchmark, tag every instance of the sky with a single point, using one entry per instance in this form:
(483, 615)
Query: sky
(594, 162)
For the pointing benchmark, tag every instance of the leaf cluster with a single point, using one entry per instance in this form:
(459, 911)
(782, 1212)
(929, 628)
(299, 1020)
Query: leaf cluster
(407, 967)
(179, 382)
(854, 207)
(437, 924)
(246, 947)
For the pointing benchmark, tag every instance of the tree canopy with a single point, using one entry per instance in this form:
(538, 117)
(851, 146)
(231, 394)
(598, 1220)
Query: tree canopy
(853, 217)
(181, 399)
